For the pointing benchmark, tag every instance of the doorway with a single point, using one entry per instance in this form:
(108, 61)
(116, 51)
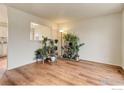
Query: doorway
(3, 38)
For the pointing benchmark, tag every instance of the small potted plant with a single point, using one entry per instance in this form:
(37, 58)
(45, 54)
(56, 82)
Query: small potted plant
(38, 55)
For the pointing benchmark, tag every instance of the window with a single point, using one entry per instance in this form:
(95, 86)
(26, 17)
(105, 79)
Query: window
(37, 31)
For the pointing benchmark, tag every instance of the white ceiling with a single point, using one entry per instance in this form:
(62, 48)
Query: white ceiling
(60, 13)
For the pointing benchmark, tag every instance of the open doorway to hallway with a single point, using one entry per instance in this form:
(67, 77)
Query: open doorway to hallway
(3, 39)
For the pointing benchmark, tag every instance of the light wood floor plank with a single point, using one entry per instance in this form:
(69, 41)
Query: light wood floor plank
(65, 73)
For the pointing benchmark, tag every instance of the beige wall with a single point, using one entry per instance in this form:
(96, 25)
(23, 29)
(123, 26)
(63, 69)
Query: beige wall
(3, 13)
(3, 33)
(3, 29)
(21, 48)
(122, 39)
(102, 38)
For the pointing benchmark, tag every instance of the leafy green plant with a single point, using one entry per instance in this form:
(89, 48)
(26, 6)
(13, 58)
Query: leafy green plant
(52, 47)
(72, 46)
(48, 48)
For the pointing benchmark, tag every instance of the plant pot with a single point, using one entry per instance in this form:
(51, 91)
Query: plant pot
(77, 58)
(39, 59)
(53, 58)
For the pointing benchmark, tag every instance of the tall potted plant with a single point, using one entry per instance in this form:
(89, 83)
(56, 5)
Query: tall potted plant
(71, 46)
(52, 49)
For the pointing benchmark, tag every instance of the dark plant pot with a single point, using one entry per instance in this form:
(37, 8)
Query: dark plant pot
(70, 44)
(38, 56)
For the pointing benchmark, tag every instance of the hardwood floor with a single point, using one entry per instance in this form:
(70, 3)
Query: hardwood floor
(64, 73)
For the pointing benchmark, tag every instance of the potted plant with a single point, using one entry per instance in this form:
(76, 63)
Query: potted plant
(53, 49)
(71, 46)
(48, 50)
(38, 55)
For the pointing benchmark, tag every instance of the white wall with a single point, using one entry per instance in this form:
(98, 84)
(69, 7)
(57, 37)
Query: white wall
(122, 39)
(102, 38)
(20, 47)
(3, 13)
(3, 29)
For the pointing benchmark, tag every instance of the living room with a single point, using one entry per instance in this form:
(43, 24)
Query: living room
(93, 54)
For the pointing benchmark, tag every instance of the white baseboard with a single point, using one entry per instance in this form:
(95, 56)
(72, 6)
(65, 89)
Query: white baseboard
(103, 63)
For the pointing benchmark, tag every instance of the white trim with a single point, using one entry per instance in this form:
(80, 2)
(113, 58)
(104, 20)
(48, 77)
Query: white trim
(102, 63)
